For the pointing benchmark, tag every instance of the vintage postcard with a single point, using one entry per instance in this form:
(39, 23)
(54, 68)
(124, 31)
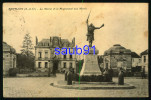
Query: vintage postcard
(75, 50)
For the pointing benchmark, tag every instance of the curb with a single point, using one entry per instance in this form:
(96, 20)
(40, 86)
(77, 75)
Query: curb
(93, 87)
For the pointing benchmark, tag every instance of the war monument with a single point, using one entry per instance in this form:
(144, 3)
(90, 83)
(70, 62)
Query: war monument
(90, 76)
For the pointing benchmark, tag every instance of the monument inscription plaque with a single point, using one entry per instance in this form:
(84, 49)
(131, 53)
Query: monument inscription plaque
(90, 66)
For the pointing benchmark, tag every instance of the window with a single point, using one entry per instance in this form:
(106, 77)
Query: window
(39, 64)
(144, 58)
(46, 64)
(70, 56)
(121, 52)
(64, 56)
(139, 60)
(39, 55)
(64, 65)
(106, 65)
(70, 64)
(46, 54)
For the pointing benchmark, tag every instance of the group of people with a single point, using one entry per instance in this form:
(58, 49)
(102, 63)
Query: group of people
(69, 75)
(108, 74)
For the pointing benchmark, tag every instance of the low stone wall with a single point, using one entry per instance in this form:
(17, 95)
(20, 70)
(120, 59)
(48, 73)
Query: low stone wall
(22, 75)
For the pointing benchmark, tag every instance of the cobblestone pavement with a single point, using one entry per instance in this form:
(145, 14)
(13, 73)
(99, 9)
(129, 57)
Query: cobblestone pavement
(40, 87)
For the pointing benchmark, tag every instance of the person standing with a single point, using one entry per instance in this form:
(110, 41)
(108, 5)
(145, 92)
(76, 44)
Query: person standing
(143, 72)
(110, 74)
(66, 72)
(121, 77)
(69, 77)
(71, 69)
(106, 74)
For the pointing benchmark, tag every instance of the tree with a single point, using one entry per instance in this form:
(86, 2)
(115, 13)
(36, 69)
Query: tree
(25, 60)
(27, 46)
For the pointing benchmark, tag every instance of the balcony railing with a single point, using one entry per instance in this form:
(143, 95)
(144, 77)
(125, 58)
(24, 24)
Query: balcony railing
(46, 58)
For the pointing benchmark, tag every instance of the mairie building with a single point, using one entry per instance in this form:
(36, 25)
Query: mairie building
(45, 51)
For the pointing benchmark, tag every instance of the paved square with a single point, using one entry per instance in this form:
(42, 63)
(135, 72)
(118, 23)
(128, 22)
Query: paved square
(40, 87)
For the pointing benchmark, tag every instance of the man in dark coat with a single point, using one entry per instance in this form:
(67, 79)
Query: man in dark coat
(106, 75)
(143, 72)
(110, 74)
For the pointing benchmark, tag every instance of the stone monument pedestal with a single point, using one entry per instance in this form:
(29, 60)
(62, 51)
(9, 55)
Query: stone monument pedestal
(90, 66)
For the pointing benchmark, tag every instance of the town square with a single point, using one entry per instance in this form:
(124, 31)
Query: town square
(40, 87)
(76, 52)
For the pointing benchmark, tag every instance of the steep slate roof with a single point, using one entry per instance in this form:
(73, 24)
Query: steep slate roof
(8, 48)
(144, 52)
(117, 48)
(135, 55)
(44, 42)
(66, 42)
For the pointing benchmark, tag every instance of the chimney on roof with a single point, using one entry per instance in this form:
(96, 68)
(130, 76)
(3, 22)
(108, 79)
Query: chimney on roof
(60, 41)
(36, 40)
(73, 41)
(50, 41)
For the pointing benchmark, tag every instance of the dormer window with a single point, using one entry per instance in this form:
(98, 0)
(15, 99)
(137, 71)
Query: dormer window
(121, 52)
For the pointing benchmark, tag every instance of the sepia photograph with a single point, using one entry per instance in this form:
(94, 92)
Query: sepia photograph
(53, 50)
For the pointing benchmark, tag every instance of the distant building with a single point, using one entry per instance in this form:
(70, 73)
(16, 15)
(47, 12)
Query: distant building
(144, 56)
(45, 51)
(116, 57)
(136, 59)
(9, 58)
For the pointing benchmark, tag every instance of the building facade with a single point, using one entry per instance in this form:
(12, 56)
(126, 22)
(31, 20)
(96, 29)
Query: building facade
(136, 59)
(9, 58)
(144, 57)
(116, 57)
(45, 51)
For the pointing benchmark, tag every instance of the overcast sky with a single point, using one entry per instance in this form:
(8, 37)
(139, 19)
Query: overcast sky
(125, 24)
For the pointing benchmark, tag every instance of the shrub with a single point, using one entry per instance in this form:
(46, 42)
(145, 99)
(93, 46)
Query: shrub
(25, 71)
(92, 78)
(13, 71)
(128, 74)
(75, 77)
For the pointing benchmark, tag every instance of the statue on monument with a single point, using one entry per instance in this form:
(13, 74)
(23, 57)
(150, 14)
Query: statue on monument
(90, 34)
